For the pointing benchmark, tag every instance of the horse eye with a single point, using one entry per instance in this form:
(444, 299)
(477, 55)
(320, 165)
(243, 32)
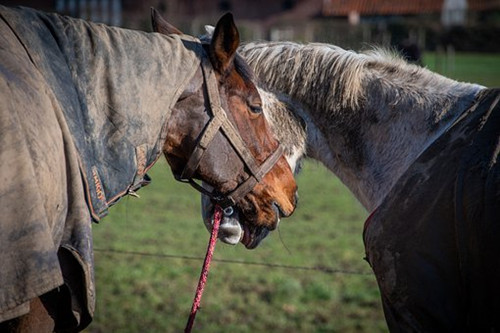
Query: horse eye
(256, 108)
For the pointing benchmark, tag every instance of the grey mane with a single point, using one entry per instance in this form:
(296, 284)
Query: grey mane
(321, 68)
(335, 79)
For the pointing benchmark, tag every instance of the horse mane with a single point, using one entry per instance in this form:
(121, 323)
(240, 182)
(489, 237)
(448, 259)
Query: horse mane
(331, 78)
(326, 68)
(359, 100)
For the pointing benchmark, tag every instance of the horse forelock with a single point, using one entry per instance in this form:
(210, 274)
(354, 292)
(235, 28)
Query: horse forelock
(290, 130)
(243, 69)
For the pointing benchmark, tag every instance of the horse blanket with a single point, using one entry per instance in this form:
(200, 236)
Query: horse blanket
(74, 138)
(434, 242)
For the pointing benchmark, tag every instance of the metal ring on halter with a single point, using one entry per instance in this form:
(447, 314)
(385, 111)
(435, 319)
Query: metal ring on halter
(228, 211)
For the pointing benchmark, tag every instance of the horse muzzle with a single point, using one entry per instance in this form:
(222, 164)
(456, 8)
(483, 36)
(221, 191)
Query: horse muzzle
(232, 230)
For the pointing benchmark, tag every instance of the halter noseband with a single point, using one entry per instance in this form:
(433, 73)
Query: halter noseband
(220, 121)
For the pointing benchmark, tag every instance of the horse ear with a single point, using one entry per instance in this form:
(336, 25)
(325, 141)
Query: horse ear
(209, 30)
(225, 41)
(161, 25)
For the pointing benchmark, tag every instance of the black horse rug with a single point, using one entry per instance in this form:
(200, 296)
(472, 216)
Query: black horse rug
(434, 242)
(73, 140)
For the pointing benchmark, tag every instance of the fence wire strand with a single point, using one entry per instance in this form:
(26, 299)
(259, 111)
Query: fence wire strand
(322, 269)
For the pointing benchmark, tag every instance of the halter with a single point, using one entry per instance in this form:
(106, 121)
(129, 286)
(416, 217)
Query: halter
(220, 121)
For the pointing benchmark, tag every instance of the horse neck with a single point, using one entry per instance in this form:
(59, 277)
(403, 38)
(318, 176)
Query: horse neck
(373, 114)
(129, 79)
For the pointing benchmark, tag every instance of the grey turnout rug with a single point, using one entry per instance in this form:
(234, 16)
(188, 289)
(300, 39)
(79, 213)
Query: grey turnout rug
(434, 244)
(75, 136)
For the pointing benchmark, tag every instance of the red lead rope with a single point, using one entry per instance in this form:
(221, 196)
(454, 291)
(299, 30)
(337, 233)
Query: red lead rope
(204, 271)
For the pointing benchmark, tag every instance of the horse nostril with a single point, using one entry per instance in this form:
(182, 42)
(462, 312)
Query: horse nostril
(295, 199)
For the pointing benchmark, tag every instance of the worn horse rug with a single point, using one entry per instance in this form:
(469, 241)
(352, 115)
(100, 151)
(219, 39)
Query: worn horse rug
(434, 243)
(63, 156)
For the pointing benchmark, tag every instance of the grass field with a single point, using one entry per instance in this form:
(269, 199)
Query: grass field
(143, 284)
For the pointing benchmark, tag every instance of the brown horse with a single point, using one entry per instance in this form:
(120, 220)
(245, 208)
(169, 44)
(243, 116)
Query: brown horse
(257, 229)
(86, 110)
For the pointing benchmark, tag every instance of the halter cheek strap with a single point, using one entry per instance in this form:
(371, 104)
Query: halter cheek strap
(221, 122)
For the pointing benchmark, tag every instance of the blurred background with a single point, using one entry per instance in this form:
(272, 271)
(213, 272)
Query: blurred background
(308, 276)
(465, 25)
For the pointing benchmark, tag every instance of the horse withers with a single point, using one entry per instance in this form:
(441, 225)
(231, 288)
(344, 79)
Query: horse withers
(86, 110)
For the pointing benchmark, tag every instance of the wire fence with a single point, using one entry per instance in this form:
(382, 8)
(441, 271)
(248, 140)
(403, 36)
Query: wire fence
(322, 269)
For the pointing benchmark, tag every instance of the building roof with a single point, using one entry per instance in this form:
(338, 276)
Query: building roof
(397, 7)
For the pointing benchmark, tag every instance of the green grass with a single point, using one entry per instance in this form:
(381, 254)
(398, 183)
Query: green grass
(135, 292)
(153, 293)
(468, 67)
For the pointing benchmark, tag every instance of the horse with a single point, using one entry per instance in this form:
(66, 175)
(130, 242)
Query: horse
(86, 111)
(259, 228)
(420, 153)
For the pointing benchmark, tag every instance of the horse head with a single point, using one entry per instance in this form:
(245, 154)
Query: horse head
(241, 161)
(285, 119)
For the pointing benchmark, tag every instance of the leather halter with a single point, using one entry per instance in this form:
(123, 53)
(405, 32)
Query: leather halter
(220, 121)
